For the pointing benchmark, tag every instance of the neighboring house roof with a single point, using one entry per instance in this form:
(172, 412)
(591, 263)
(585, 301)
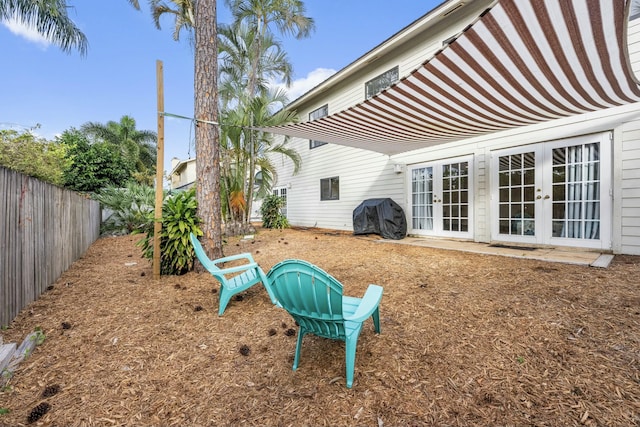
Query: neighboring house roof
(180, 165)
(183, 173)
(516, 65)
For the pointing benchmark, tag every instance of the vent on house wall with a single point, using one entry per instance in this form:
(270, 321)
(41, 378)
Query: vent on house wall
(453, 10)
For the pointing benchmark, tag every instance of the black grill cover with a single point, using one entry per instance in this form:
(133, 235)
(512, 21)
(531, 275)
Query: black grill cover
(380, 216)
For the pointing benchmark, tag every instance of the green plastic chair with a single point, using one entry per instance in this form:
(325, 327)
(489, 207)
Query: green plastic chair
(233, 280)
(315, 301)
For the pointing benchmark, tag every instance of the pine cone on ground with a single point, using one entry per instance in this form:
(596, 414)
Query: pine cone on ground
(38, 412)
(50, 390)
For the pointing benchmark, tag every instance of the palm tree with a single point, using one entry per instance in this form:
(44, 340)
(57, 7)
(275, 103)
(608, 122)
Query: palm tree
(182, 12)
(50, 19)
(241, 110)
(262, 112)
(260, 15)
(237, 43)
(234, 45)
(137, 146)
(237, 173)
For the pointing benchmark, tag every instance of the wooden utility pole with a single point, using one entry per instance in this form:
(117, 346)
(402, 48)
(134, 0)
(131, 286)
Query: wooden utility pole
(157, 226)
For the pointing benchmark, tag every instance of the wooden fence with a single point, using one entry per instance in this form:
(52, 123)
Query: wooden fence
(43, 230)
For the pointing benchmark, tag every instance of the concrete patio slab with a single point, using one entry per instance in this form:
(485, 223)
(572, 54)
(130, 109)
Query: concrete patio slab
(568, 256)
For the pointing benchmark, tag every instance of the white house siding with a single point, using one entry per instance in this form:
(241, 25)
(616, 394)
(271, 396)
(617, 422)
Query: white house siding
(633, 42)
(626, 217)
(629, 189)
(365, 174)
(362, 174)
(627, 171)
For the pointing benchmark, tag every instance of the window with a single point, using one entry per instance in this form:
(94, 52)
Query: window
(314, 115)
(330, 188)
(282, 193)
(380, 83)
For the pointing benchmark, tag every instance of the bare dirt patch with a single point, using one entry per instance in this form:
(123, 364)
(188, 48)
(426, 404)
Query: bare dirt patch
(467, 339)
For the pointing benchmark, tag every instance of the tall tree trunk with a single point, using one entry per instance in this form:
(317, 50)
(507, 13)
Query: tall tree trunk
(252, 173)
(207, 138)
(253, 89)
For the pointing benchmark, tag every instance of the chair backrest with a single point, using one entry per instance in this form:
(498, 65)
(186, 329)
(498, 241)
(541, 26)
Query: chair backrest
(202, 255)
(312, 297)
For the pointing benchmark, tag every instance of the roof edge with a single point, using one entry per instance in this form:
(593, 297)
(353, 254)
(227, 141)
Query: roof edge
(427, 20)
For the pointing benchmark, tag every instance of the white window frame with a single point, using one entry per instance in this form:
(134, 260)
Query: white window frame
(316, 114)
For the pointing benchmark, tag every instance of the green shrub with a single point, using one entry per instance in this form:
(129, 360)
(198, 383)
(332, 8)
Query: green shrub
(130, 207)
(178, 220)
(271, 212)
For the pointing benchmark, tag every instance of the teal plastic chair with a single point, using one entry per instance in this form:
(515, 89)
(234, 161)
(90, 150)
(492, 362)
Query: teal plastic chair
(233, 280)
(315, 301)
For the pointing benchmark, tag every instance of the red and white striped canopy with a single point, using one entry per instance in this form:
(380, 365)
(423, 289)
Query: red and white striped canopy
(522, 62)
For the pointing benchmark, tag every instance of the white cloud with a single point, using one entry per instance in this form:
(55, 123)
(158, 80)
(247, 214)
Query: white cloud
(303, 85)
(26, 31)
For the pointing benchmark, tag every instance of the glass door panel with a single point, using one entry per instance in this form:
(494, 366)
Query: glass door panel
(516, 192)
(455, 197)
(576, 192)
(441, 198)
(554, 193)
(422, 198)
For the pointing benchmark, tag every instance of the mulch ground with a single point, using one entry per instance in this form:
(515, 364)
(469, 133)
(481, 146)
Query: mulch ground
(467, 339)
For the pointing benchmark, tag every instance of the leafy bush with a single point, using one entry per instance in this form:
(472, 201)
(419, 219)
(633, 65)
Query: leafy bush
(178, 220)
(271, 212)
(130, 207)
(33, 156)
(93, 166)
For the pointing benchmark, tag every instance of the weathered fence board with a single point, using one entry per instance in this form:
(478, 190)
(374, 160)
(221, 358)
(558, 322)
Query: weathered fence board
(43, 230)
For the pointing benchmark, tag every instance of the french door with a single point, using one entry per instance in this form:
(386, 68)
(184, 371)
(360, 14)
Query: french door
(441, 198)
(554, 193)
(282, 193)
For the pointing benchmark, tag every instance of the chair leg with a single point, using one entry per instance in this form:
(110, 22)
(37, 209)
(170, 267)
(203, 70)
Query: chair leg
(376, 320)
(350, 349)
(225, 297)
(296, 359)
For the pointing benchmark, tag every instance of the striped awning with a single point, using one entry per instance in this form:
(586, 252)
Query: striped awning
(520, 63)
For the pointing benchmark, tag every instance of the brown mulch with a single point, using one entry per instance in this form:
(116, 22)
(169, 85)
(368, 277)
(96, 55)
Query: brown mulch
(467, 339)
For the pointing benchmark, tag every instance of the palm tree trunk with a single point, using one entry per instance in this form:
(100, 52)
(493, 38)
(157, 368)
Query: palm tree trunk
(226, 179)
(207, 138)
(252, 88)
